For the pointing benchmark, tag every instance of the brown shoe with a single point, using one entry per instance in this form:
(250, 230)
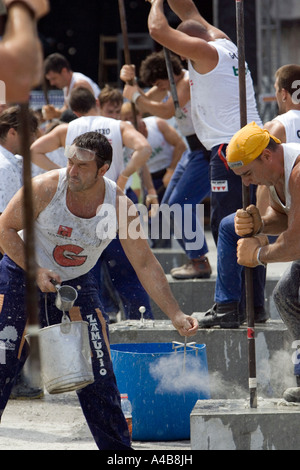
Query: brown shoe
(195, 268)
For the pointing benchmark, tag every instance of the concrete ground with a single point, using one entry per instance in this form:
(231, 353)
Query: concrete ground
(56, 422)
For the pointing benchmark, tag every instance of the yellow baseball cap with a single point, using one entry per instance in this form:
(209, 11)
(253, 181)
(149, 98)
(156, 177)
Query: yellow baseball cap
(247, 144)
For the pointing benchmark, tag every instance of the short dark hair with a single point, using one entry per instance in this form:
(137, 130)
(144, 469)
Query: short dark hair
(272, 145)
(82, 100)
(55, 63)
(98, 143)
(10, 118)
(286, 76)
(154, 67)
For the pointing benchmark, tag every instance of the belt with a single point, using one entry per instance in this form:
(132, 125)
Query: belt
(194, 143)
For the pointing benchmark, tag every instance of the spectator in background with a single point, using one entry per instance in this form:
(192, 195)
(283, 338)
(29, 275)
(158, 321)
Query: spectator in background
(110, 102)
(58, 72)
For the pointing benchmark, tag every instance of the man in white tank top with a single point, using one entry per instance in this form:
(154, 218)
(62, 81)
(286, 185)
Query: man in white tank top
(228, 291)
(213, 67)
(261, 159)
(190, 179)
(120, 134)
(77, 212)
(58, 72)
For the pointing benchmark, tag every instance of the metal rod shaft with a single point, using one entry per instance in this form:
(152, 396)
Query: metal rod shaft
(246, 201)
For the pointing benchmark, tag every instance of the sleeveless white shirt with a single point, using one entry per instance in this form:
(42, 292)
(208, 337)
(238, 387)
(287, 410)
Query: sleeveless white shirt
(110, 128)
(215, 97)
(185, 123)
(70, 245)
(162, 151)
(76, 77)
(291, 123)
(290, 153)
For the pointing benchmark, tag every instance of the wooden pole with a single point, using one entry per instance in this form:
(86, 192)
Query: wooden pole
(126, 50)
(178, 112)
(246, 201)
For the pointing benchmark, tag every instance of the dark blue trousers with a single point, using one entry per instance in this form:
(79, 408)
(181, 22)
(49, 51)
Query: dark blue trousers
(230, 276)
(100, 401)
(190, 185)
(226, 189)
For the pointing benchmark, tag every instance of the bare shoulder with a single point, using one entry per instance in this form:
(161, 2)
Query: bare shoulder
(276, 128)
(44, 187)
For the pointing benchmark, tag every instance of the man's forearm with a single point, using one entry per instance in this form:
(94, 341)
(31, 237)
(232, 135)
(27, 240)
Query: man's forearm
(138, 159)
(12, 244)
(184, 9)
(42, 161)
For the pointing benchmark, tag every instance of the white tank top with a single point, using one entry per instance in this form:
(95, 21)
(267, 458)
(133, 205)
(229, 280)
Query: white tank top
(185, 123)
(290, 153)
(70, 245)
(110, 128)
(215, 98)
(291, 123)
(162, 151)
(76, 77)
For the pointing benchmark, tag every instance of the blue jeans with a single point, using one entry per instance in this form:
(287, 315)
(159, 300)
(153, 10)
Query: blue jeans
(190, 185)
(118, 283)
(100, 401)
(286, 298)
(230, 278)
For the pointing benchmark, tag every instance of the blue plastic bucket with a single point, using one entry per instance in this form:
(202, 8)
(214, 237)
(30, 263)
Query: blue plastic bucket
(162, 386)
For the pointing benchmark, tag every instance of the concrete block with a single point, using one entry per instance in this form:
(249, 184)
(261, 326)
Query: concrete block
(197, 295)
(233, 425)
(227, 354)
(170, 258)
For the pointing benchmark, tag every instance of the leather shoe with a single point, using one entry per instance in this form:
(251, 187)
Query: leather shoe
(223, 315)
(195, 268)
(293, 394)
(260, 315)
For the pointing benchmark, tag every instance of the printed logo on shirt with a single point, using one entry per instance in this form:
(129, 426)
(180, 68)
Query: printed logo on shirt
(68, 255)
(64, 231)
(8, 337)
(219, 186)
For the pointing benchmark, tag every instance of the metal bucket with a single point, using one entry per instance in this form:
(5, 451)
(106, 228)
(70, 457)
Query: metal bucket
(65, 351)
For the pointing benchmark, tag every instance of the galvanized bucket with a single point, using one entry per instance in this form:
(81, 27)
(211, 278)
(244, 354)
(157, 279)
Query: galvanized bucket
(65, 351)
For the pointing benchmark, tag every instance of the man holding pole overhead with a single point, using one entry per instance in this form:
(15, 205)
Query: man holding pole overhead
(213, 67)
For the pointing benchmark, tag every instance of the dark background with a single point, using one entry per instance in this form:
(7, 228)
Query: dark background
(73, 28)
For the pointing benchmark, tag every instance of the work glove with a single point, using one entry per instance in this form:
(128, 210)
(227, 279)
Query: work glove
(248, 250)
(248, 222)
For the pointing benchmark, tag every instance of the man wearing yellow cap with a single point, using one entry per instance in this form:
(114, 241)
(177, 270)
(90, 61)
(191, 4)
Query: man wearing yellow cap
(260, 158)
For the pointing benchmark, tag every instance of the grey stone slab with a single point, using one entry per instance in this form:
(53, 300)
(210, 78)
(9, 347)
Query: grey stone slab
(233, 425)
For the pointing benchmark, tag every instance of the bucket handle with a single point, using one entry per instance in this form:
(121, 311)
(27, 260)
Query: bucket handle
(65, 326)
